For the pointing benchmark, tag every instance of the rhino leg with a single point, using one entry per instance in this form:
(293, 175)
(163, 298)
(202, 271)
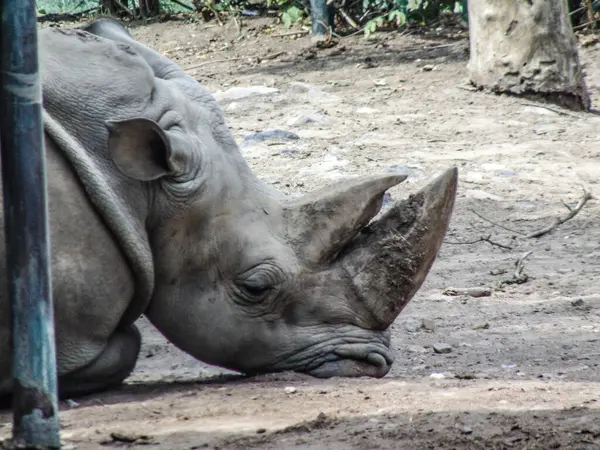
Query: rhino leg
(110, 368)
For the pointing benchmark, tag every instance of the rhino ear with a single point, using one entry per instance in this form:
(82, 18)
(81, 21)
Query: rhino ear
(323, 222)
(140, 148)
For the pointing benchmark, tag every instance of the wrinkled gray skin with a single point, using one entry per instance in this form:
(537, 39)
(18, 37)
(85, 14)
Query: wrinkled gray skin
(154, 211)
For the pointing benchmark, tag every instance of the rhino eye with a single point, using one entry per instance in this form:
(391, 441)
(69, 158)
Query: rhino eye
(256, 289)
(257, 284)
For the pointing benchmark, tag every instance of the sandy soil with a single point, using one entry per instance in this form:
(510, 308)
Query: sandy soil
(523, 367)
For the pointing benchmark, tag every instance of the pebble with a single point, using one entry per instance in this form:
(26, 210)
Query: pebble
(480, 194)
(270, 135)
(428, 324)
(299, 87)
(412, 326)
(399, 169)
(240, 93)
(366, 110)
(71, 403)
(306, 119)
(437, 376)
(442, 348)
(290, 390)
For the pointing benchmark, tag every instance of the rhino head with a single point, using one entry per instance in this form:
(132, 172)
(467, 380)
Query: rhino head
(251, 280)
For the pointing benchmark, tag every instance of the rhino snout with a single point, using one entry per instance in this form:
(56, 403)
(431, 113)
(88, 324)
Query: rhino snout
(354, 362)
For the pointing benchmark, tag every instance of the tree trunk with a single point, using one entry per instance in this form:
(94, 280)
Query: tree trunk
(526, 48)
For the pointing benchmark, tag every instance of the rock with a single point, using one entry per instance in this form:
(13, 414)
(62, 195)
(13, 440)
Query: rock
(306, 119)
(261, 431)
(504, 173)
(288, 151)
(271, 135)
(290, 390)
(387, 200)
(241, 93)
(428, 324)
(466, 430)
(300, 88)
(481, 326)
(412, 326)
(471, 292)
(366, 110)
(480, 194)
(442, 348)
(416, 349)
(437, 376)
(578, 303)
(473, 177)
(399, 169)
(428, 67)
(465, 376)
(233, 106)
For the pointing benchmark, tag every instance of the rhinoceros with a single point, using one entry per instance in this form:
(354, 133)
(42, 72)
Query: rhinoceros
(154, 211)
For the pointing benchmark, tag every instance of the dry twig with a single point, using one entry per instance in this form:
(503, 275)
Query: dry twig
(481, 239)
(291, 33)
(518, 276)
(560, 220)
(212, 61)
(494, 223)
(554, 110)
(348, 19)
(471, 292)
(590, 13)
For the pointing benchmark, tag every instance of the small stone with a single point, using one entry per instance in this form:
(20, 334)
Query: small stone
(290, 390)
(71, 403)
(305, 119)
(412, 326)
(437, 376)
(466, 430)
(578, 303)
(271, 135)
(366, 110)
(428, 67)
(481, 326)
(428, 324)
(442, 348)
(233, 106)
(261, 431)
(416, 349)
(240, 93)
(299, 87)
(465, 376)
(399, 169)
(387, 199)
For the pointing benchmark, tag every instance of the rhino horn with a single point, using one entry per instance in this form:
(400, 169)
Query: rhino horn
(389, 260)
(321, 223)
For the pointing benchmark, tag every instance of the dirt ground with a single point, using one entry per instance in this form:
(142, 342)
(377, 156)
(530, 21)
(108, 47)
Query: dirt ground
(522, 372)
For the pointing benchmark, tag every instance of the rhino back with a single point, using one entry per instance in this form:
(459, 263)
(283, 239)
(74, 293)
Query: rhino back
(91, 281)
(86, 81)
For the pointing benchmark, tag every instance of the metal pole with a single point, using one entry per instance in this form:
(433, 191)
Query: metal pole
(320, 15)
(35, 408)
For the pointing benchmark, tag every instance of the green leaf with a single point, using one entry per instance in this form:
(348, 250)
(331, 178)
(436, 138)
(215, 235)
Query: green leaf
(371, 25)
(295, 13)
(397, 16)
(286, 19)
(42, 11)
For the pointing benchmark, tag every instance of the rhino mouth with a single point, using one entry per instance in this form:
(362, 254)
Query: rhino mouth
(355, 362)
